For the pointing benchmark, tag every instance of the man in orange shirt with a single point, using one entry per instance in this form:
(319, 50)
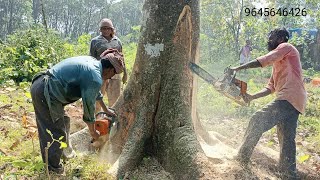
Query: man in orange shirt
(286, 81)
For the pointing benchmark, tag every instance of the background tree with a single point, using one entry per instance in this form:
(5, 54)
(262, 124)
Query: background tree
(14, 14)
(35, 10)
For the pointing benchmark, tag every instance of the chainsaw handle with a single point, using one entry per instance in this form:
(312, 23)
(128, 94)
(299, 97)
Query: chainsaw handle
(245, 98)
(105, 113)
(101, 113)
(229, 71)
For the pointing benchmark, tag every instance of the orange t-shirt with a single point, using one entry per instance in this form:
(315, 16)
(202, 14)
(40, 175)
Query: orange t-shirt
(286, 79)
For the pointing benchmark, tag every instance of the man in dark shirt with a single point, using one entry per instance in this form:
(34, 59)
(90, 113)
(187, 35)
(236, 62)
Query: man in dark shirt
(107, 39)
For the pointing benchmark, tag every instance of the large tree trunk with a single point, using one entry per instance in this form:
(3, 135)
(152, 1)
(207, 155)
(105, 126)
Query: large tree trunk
(155, 108)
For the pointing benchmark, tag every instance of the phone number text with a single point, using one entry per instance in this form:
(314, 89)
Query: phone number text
(275, 12)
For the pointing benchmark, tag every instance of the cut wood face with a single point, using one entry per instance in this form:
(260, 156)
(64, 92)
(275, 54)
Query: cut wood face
(183, 31)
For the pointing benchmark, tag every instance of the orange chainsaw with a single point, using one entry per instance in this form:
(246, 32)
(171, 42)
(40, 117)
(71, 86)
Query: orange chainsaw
(229, 85)
(107, 127)
(105, 124)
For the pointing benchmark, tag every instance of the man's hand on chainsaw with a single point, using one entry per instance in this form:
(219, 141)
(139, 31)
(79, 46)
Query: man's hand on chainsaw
(235, 69)
(94, 134)
(107, 110)
(248, 98)
(110, 112)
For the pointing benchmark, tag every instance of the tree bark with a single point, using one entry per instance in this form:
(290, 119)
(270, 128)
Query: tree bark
(155, 108)
(10, 23)
(3, 14)
(35, 10)
(44, 16)
(88, 20)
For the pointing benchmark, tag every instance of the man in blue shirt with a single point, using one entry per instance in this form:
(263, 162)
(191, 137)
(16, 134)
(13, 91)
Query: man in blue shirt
(65, 83)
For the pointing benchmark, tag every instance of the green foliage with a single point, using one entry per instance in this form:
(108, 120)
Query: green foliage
(310, 72)
(88, 168)
(80, 48)
(25, 161)
(59, 140)
(27, 167)
(29, 51)
(303, 45)
(313, 102)
(129, 51)
(132, 37)
(303, 158)
(311, 118)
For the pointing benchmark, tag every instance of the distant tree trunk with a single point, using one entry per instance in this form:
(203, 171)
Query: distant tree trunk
(155, 108)
(10, 23)
(44, 16)
(237, 45)
(56, 19)
(235, 24)
(35, 10)
(317, 50)
(3, 14)
(66, 20)
(88, 20)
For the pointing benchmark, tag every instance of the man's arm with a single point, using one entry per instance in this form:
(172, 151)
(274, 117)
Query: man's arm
(125, 75)
(92, 49)
(264, 92)
(252, 64)
(92, 130)
(105, 108)
(88, 94)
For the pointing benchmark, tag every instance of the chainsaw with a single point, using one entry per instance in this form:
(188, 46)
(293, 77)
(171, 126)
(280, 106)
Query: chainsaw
(107, 127)
(228, 85)
(106, 124)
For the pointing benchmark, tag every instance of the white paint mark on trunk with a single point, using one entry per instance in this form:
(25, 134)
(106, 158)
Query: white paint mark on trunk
(153, 50)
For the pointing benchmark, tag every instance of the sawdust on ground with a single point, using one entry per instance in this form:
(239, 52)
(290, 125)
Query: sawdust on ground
(221, 153)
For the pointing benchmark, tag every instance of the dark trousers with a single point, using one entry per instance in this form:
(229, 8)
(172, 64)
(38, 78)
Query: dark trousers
(285, 116)
(44, 121)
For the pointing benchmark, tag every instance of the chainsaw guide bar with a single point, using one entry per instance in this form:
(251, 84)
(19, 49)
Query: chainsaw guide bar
(229, 86)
